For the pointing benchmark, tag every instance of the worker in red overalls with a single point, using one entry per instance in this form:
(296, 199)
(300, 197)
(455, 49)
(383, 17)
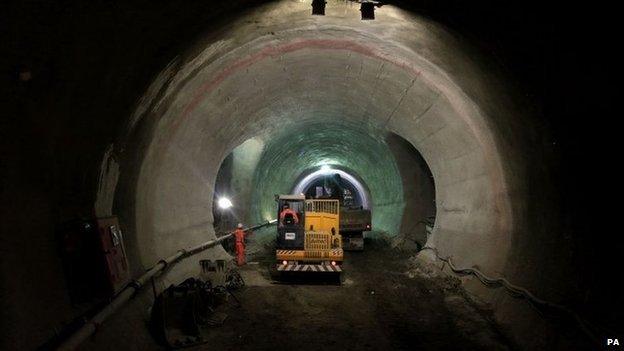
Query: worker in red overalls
(288, 213)
(239, 237)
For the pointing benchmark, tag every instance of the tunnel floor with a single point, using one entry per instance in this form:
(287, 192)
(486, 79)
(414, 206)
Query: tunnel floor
(377, 307)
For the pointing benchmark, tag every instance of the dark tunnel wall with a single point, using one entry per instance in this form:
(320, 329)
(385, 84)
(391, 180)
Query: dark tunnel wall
(90, 64)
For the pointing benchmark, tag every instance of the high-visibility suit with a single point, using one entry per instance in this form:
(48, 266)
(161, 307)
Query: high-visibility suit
(239, 237)
(288, 211)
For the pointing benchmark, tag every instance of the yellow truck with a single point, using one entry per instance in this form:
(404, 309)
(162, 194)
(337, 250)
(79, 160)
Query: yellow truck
(308, 237)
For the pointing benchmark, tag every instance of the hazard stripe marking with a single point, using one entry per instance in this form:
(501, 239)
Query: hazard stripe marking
(308, 268)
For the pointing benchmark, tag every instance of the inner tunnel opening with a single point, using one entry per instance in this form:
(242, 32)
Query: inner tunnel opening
(330, 181)
(362, 166)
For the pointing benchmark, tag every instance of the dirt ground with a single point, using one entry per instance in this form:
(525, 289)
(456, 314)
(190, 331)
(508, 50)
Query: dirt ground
(381, 304)
(376, 307)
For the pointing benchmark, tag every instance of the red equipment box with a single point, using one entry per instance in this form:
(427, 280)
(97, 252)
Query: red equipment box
(114, 254)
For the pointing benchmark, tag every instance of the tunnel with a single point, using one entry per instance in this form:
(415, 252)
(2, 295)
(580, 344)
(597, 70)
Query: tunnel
(312, 154)
(462, 128)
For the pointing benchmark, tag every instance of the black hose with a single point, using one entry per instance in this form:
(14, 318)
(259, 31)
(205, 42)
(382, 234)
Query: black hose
(520, 292)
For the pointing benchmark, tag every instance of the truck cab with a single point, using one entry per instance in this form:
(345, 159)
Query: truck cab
(308, 236)
(290, 224)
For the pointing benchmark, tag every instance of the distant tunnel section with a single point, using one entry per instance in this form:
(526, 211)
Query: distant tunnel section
(290, 156)
(332, 180)
(380, 170)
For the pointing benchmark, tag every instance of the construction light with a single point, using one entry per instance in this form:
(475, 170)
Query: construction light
(367, 8)
(224, 203)
(284, 263)
(318, 7)
(333, 263)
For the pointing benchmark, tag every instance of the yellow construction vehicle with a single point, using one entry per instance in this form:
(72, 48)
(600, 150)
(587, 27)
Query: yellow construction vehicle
(308, 237)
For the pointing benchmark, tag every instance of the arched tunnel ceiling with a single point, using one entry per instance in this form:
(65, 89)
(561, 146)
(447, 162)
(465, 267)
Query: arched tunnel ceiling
(77, 69)
(356, 192)
(298, 148)
(280, 67)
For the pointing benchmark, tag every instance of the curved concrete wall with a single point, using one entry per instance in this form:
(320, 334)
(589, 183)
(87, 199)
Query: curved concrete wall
(282, 67)
(273, 66)
(278, 65)
(299, 148)
(394, 179)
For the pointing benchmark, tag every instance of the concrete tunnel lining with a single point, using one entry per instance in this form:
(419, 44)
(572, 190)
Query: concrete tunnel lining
(351, 180)
(250, 82)
(244, 83)
(292, 152)
(391, 176)
(491, 105)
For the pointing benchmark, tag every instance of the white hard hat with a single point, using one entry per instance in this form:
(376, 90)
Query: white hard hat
(240, 225)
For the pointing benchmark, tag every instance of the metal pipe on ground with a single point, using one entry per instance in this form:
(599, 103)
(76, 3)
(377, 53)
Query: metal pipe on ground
(120, 299)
